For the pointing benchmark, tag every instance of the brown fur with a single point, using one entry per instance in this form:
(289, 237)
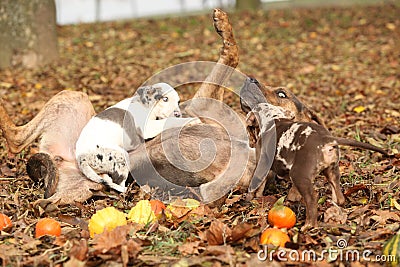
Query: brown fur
(307, 150)
(62, 118)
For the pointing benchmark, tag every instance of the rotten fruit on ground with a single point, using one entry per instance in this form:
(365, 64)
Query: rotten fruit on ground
(274, 236)
(47, 226)
(105, 220)
(5, 221)
(142, 213)
(281, 216)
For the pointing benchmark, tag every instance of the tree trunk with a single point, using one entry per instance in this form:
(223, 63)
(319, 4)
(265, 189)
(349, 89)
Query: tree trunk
(247, 4)
(27, 32)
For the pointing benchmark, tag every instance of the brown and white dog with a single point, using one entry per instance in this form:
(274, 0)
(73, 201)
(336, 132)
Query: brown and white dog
(297, 151)
(103, 147)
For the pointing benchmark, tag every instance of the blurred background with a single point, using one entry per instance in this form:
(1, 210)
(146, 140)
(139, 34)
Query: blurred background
(76, 11)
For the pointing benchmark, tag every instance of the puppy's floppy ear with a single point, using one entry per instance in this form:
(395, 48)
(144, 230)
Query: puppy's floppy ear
(145, 94)
(265, 154)
(253, 128)
(141, 91)
(151, 90)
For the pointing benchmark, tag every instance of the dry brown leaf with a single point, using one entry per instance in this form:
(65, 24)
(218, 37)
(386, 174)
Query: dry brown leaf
(218, 233)
(243, 230)
(134, 247)
(382, 216)
(219, 250)
(190, 248)
(110, 239)
(74, 262)
(79, 249)
(335, 215)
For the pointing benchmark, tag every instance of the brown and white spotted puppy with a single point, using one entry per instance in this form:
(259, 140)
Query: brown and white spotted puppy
(303, 150)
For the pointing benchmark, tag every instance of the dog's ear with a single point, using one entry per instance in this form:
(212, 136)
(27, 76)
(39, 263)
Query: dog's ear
(157, 92)
(146, 94)
(253, 128)
(265, 154)
(141, 91)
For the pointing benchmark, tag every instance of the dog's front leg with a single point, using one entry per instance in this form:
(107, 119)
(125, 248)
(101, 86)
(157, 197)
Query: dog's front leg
(70, 108)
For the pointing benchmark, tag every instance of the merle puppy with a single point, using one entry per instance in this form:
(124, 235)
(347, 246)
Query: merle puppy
(303, 150)
(104, 143)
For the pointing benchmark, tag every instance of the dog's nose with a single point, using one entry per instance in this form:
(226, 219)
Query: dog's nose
(177, 113)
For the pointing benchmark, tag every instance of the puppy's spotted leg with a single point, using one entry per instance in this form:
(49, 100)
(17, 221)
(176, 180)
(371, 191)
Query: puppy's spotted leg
(102, 163)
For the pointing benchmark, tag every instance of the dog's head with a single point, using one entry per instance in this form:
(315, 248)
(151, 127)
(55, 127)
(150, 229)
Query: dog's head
(252, 93)
(162, 99)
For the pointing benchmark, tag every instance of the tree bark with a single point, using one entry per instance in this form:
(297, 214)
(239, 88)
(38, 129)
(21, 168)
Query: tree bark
(247, 4)
(27, 32)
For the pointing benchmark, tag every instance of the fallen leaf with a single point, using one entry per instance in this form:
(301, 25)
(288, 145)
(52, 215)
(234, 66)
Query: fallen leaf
(109, 239)
(74, 262)
(218, 233)
(359, 109)
(79, 249)
(382, 216)
(390, 26)
(243, 230)
(6, 171)
(394, 203)
(219, 250)
(335, 215)
(190, 248)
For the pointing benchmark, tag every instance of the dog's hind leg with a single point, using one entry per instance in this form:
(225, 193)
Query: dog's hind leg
(332, 174)
(59, 123)
(229, 56)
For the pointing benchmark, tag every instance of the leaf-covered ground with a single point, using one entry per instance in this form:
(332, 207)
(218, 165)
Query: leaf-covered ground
(343, 62)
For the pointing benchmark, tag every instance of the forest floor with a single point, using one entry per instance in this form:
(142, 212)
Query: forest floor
(342, 62)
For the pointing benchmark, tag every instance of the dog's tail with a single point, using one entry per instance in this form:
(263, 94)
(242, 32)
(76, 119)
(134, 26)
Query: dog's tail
(354, 143)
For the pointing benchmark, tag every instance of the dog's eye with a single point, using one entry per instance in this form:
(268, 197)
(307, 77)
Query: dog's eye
(165, 99)
(281, 94)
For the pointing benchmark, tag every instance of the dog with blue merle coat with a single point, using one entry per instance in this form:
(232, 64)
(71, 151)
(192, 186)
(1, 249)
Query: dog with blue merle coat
(104, 143)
